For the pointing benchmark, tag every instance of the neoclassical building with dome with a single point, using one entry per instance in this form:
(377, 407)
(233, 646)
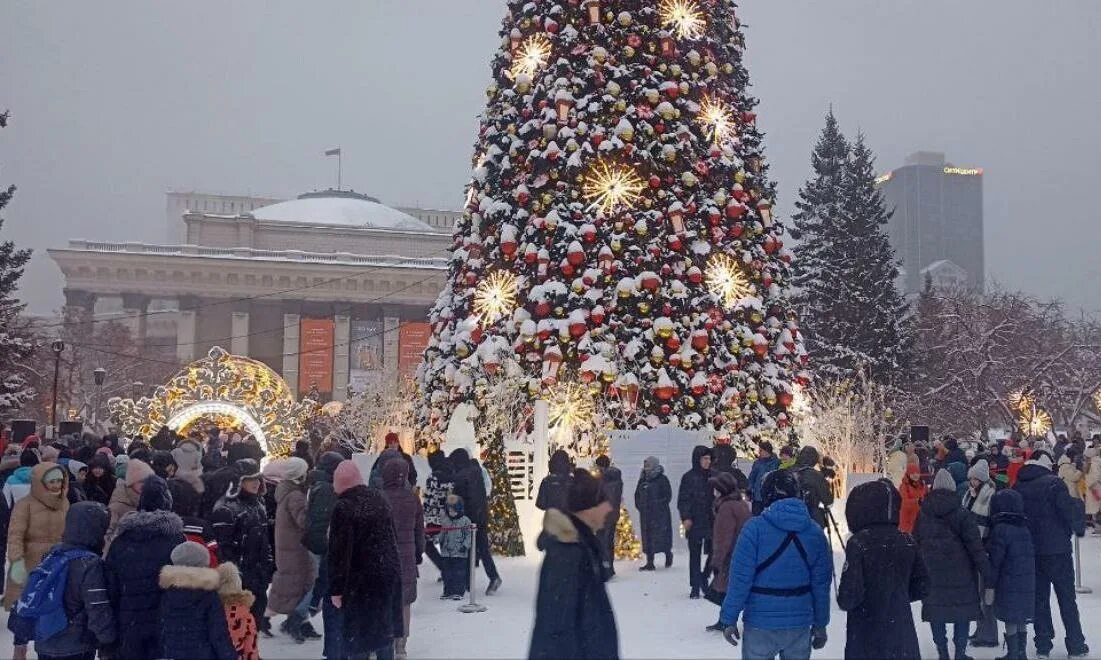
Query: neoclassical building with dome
(331, 290)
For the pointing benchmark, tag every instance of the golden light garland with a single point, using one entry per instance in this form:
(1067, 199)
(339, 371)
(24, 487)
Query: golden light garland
(225, 387)
(570, 405)
(726, 281)
(1097, 399)
(718, 118)
(684, 17)
(532, 55)
(609, 186)
(495, 297)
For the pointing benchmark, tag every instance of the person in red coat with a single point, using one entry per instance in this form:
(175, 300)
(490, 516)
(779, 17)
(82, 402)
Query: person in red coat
(912, 489)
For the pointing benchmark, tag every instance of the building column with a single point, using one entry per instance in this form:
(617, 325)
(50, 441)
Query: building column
(186, 336)
(391, 326)
(239, 329)
(291, 331)
(342, 336)
(135, 307)
(80, 306)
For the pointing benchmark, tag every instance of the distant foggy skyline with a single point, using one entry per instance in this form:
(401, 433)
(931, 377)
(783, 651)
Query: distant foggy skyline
(113, 104)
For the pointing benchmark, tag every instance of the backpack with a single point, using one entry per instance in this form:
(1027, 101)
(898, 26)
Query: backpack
(806, 493)
(40, 613)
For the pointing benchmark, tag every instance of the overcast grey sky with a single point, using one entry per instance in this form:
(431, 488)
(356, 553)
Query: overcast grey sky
(113, 103)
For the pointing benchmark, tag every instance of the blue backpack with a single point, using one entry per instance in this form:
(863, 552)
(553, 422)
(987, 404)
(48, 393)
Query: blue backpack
(40, 612)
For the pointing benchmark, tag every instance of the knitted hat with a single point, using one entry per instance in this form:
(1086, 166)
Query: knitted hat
(585, 491)
(155, 495)
(980, 470)
(944, 481)
(190, 553)
(75, 467)
(1041, 458)
(137, 471)
(296, 469)
(329, 461)
(651, 463)
(346, 477)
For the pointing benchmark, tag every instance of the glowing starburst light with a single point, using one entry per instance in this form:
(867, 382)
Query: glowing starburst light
(531, 56)
(495, 297)
(726, 281)
(570, 406)
(684, 16)
(1031, 419)
(610, 186)
(718, 119)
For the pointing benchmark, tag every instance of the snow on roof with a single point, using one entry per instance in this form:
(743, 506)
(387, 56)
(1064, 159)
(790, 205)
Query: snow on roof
(340, 209)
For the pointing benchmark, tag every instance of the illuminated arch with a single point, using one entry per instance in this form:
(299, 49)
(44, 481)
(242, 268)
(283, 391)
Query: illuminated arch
(245, 390)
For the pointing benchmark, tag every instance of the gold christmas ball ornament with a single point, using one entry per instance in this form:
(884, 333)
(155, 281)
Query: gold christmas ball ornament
(689, 180)
(624, 19)
(644, 307)
(711, 68)
(675, 70)
(492, 90)
(629, 52)
(728, 68)
(620, 105)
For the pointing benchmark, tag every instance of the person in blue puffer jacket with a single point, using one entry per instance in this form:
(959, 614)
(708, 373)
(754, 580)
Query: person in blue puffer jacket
(779, 577)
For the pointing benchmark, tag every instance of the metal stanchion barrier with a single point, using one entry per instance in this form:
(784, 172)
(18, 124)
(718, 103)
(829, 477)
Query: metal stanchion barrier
(1078, 586)
(473, 605)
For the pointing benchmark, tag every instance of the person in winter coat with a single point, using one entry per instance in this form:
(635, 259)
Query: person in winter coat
(611, 480)
(320, 499)
(99, 485)
(813, 484)
(437, 488)
(732, 512)
(1093, 487)
(241, 527)
(185, 504)
(695, 503)
(408, 516)
(912, 491)
(765, 463)
(723, 459)
(78, 472)
(189, 464)
(573, 615)
(236, 602)
(142, 547)
(958, 471)
(976, 501)
(127, 493)
(164, 466)
(555, 487)
(780, 577)
(883, 574)
(1071, 473)
(1012, 570)
(17, 485)
(192, 619)
(295, 572)
(91, 621)
(455, 548)
(953, 453)
(364, 568)
(896, 463)
(37, 523)
(1052, 516)
(470, 485)
(216, 483)
(652, 496)
(954, 554)
(393, 450)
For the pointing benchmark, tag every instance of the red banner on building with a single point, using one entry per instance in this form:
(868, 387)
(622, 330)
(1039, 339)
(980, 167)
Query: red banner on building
(412, 340)
(315, 359)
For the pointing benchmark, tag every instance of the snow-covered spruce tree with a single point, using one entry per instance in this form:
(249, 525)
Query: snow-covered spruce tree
(619, 227)
(817, 276)
(16, 341)
(878, 337)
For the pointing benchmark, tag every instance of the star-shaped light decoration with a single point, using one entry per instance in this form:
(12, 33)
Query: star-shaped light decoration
(683, 17)
(726, 281)
(718, 119)
(609, 186)
(495, 297)
(532, 55)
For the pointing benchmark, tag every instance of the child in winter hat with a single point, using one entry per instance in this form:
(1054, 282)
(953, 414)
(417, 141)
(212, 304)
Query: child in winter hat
(193, 621)
(454, 543)
(237, 602)
(944, 481)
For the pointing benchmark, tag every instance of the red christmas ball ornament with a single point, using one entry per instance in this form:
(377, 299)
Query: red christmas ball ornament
(700, 340)
(749, 117)
(715, 382)
(471, 279)
(735, 210)
(542, 308)
(650, 281)
(785, 399)
(597, 139)
(760, 349)
(675, 243)
(666, 310)
(476, 334)
(736, 229)
(659, 128)
(634, 41)
(597, 315)
(551, 26)
(666, 409)
(655, 181)
(714, 217)
(567, 269)
(673, 343)
(522, 197)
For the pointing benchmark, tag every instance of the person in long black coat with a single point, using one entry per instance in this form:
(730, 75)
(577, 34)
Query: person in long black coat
(883, 574)
(554, 488)
(954, 554)
(695, 502)
(470, 486)
(652, 496)
(1013, 569)
(813, 482)
(142, 546)
(364, 567)
(573, 615)
(611, 483)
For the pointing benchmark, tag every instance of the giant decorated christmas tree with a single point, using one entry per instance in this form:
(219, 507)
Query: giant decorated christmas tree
(619, 229)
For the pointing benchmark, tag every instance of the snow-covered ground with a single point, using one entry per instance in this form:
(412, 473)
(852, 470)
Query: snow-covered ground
(655, 617)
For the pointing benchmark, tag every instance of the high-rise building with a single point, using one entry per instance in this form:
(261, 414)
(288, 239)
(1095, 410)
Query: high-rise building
(937, 226)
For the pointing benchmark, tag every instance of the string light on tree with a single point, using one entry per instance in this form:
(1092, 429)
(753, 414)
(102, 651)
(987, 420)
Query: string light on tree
(1031, 419)
(683, 16)
(609, 186)
(495, 297)
(532, 55)
(718, 119)
(725, 280)
(1097, 399)
(570, 406)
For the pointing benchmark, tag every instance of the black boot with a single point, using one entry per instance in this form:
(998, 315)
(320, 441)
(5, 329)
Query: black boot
(668, 559)
(309, 632)
(649, 564)
(942, 652)
(961, 653)
(716, 627)
(1010, 648)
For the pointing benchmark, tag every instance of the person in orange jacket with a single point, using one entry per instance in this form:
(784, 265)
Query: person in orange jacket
(913, 491)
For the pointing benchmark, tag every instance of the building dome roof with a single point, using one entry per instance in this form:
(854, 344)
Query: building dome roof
(340, 207)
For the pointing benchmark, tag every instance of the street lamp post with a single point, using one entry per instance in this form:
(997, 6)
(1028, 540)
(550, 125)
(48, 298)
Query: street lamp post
(99, 375)
(58, 347)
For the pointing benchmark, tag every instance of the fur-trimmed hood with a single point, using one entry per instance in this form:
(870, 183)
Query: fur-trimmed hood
(560, 527)
(229, 586)
(148, 524)
(189, 577)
